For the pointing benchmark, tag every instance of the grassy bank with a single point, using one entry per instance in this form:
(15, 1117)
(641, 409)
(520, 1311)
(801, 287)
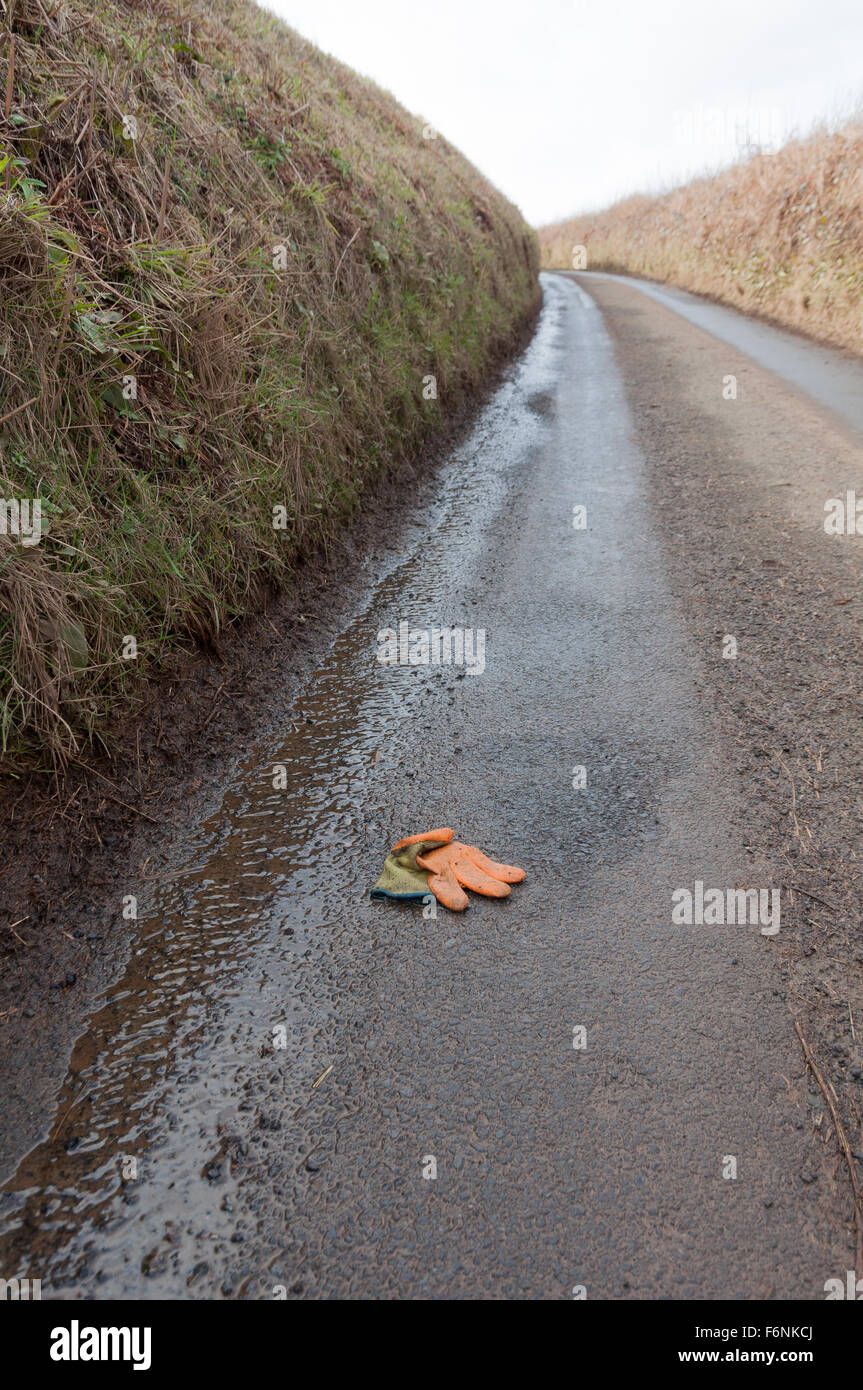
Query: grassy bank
(229, 268)
(779, 235)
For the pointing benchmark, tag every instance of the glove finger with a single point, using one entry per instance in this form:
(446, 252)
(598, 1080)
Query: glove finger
(506, 873)
(447, 891)
(472, 876)
(442, 837)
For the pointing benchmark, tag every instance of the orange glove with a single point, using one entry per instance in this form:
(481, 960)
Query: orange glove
(455, 864)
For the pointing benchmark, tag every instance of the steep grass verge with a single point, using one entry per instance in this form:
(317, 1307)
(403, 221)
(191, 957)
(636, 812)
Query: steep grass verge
(229, 270)
(779, 235)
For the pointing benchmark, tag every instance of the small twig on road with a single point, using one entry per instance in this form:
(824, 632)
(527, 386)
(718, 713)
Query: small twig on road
(781, 760)
(795, 888)
(842, 1139)
(12, 927)
(67, 1113)
(177, 873)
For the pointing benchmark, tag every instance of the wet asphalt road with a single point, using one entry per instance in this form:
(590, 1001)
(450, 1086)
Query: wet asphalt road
(253, 1107)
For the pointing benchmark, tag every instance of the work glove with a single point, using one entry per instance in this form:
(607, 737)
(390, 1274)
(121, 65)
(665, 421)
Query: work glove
(401, 878)
(452, 867)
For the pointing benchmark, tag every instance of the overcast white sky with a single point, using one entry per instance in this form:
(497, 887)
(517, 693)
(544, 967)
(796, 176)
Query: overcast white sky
(569, 104)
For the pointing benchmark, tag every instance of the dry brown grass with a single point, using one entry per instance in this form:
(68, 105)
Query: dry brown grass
(779, 235)
(256, 387)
